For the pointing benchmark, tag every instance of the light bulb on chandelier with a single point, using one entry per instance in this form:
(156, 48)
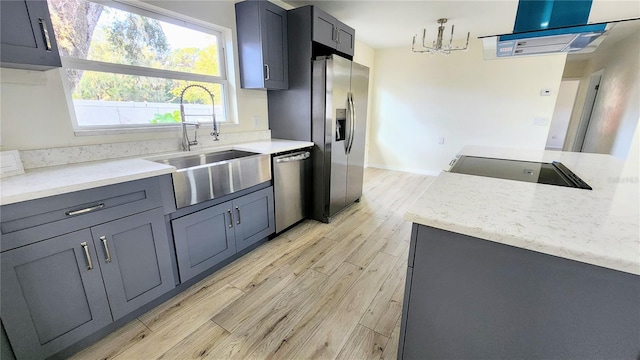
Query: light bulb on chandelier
(437, 46)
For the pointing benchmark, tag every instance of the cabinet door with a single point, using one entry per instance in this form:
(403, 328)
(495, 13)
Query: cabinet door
(324, 28)
(274, 45)
(5, 347)
(50, 297)
(262, 45)
(203, 239)
(346, 39)
(253, 217)
(26, 36)
(133, 254)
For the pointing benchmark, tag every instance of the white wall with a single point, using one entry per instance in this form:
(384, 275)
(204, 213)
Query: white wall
(617, 108)
(34, 112)
(562, 114)
(461, 97)
(365, 55)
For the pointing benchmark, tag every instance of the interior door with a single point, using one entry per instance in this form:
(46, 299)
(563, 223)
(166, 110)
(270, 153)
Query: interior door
(587, 110)
(355, 171)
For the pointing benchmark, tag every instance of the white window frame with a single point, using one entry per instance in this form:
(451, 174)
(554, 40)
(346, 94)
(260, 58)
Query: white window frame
(153, 12)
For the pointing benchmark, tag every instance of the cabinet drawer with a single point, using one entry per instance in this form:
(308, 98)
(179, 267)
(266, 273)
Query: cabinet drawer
(31, 221)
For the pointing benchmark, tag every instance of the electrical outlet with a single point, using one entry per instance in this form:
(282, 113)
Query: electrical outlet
(256, 122)
(441, 140)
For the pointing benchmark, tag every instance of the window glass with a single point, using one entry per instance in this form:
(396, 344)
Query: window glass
(128, 66)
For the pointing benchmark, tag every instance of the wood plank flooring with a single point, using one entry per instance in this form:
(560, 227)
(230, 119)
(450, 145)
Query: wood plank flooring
(318, 291)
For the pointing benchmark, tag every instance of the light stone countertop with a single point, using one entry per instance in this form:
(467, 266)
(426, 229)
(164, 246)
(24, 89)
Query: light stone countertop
(599, 227)
(55, 180)
(272, 146)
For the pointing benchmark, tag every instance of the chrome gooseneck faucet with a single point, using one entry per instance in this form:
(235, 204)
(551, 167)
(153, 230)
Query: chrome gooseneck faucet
(186, 143)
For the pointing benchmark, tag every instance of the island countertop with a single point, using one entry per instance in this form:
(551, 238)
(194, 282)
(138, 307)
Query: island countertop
(599, 227)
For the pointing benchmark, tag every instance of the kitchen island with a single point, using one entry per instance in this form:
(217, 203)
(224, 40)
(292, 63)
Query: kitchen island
(509, 269)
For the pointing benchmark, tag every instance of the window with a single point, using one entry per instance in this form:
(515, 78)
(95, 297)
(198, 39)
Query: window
(127, 67)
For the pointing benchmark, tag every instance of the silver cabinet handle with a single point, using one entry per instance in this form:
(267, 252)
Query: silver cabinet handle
(338, 36)
(106, 249)
(45, 33)
(87, 255)
(267, 72)
(335, 34)
(230, 218)
(84, 211)
(239, 219)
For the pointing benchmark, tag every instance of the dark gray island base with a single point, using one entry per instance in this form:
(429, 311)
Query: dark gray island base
(469, 298)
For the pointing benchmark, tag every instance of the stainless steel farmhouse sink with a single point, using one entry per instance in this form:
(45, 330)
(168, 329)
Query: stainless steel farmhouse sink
(212, 175)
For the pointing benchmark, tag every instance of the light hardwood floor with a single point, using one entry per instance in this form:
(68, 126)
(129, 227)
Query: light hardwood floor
(319, 291)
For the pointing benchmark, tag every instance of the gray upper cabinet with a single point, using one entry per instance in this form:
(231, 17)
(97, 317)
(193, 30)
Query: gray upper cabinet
(262, 45)
(330, 32)
(52, 295)
(209, 236)
(27, 39)
(346, 39)
(134, 258)
(324, 28)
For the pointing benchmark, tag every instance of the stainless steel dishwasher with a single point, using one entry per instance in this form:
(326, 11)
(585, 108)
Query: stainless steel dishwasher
(290, 178)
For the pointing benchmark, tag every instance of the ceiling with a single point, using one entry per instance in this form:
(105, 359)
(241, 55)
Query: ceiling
(386, 24)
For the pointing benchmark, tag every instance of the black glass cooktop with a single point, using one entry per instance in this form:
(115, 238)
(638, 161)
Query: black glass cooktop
(553, 173)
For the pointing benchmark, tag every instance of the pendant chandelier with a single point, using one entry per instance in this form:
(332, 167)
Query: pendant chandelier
(437, 46)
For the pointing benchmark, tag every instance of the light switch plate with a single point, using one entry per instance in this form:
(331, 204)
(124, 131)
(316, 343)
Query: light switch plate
(10, 163)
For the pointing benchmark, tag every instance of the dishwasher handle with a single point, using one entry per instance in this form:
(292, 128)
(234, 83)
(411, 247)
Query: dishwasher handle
(295, 157)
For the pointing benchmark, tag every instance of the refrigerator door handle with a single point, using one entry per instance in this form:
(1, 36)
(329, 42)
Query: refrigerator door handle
(353, 122)
(348, 125)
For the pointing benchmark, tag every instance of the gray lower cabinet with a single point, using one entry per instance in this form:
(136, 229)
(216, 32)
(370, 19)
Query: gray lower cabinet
(5, 347)
(254, 217)
(134, 259)
(27, 39)
(51, 298)
(212, 235)
(57, 291)
(203, 239)
(469, 298)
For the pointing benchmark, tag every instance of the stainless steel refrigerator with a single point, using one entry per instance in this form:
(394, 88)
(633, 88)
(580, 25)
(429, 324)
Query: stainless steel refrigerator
(338, 116)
